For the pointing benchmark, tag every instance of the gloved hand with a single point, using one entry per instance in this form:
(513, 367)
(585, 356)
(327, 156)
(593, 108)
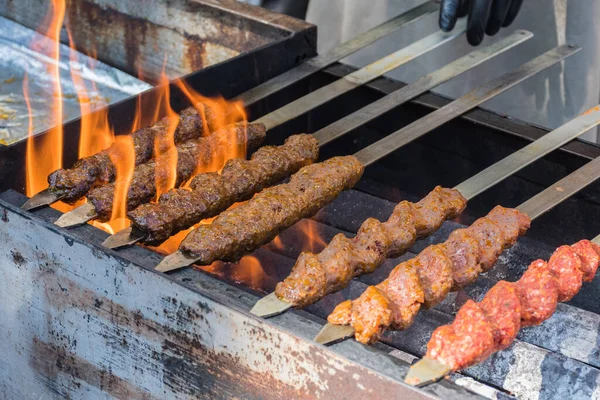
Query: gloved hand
(485, 16)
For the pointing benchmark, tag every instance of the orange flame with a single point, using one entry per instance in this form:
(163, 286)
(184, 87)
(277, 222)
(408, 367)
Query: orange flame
(44, 154)
(164, 145)
(222, 113)
(123, 157)
(312, 240)
(95, 133)
(248, 271)
(310, 237)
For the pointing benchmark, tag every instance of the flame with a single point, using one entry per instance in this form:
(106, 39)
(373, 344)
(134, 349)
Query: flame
(312, 240)
(95, 133)
(44, 154)
(222, 113)
(305, 235)
(164, 145)
(249, 272)
(123, 157)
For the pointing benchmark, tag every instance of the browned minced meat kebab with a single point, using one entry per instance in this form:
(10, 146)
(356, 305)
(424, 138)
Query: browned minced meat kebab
(241, 230)
(316, 275)
(481, 329)
(212, 193)
(427, 278)
(73, 183)
(190, 154)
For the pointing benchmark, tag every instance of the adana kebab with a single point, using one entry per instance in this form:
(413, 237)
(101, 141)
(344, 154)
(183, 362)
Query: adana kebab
(145, 176)
(426, 279)
(239, 231)
(312, 100)
(483, 328)
(211, 194)
(316, 275)
(71, 184)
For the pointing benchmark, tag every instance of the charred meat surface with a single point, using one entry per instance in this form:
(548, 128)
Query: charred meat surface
(316, 275)
(190, 154)
(241, 230)
(212, 193)
(73, 183)
(481, 329)
(427, 278)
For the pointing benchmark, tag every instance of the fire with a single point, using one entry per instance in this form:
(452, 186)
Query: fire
(248, 271)
(164, 145)
(95, 133)
(44, 154)
(124, 160)
(305, 236)
(222, 113)
(312, 240)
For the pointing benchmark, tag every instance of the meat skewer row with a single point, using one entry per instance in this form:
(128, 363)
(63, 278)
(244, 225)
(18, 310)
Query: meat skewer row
(237, 232)
(71, 184)
(300, 106)
(426, 279)
(212, 193)
(144, 180)
(92, 166)
(316, 275)
(156, 223)
(483, 328)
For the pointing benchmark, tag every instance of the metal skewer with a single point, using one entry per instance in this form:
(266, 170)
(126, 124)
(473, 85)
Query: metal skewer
(324, 94)
(43, 198)
(271, 305)
(431, 121)
(427, 370)
(296, 74)
(325, 135)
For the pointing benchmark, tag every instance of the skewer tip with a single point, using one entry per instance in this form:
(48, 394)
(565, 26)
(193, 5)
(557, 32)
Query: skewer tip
(43, 198)
(426, 371)
(78, 216)
(175, 261)
(125, 237)
(331, 334)
(270, 306)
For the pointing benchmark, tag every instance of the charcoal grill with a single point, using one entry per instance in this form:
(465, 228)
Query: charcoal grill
(86, 321)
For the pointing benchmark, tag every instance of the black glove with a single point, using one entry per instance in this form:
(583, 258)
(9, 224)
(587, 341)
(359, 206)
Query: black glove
(485, 16)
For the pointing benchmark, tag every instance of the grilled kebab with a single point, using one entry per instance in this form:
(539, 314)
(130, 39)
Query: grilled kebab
(316, 275)
(426, 279)
(154, 223)
(214, 192)
(237, 232)
(145, 176)
(70, 184)
(483, 328)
